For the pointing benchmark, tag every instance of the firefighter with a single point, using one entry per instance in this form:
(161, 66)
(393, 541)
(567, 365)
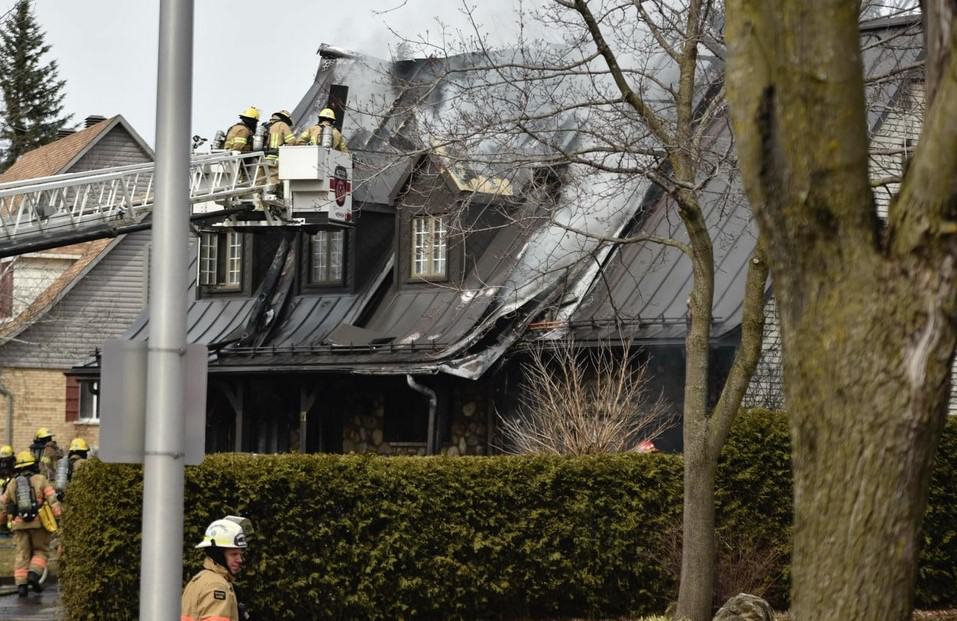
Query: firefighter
(240, 136)
(313, 135)
(280, 133)
(79, 450)
(24, 497)
(210, 595)
(46, 452)
(7, 459)
(6, 464)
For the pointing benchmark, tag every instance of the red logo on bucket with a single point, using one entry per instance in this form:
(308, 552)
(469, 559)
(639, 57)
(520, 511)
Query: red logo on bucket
(340, 184)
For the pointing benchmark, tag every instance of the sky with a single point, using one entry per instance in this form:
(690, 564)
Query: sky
(244, 53)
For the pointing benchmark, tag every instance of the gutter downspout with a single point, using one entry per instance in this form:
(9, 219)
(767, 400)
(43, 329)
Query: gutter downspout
(6, 393)
(433, 404)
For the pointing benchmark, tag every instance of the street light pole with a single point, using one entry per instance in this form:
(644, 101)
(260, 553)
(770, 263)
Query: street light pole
(161, 570)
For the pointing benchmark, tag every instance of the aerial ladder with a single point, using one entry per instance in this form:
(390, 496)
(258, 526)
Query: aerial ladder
(308, 185)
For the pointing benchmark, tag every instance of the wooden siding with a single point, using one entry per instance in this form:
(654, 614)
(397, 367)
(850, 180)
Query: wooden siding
(106, 300)
(99, 307)
(116, 148)
(893, 142)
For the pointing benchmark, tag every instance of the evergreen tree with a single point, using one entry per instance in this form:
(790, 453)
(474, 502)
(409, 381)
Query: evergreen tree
(32, 91)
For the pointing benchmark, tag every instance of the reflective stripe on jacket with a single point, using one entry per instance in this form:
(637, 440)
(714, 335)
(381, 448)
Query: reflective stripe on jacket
(280, 134)
(313, 135)
(209, 596)
(43, 492)
(238, 138)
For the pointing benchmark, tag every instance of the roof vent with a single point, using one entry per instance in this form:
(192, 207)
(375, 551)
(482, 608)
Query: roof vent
(63, 133)
(93, 119)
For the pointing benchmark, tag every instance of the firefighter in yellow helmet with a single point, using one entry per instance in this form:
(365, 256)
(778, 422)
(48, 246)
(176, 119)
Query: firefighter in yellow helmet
(280, 133)
(210, 595)
(46, 452)
(79, 450)
(239, 137)
(7, 459)
(313, 135)
(6, 463)
(24, 497)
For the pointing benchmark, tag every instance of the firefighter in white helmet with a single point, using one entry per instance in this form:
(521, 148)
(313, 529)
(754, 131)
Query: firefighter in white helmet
(210, 595)
(313, 135)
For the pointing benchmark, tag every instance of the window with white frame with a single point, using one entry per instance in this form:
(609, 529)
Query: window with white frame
(327, 257)
(89, 402)
(429, 247)
(221, 260)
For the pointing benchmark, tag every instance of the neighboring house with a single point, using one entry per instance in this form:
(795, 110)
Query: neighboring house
(893, 61)
(66, 301)
(403, 334)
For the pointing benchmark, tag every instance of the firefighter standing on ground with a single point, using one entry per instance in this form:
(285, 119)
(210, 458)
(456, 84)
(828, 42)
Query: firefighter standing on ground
(210, 596)
(45, 452)
(24, 497)
(313, 135)
(79, 449)
(7, 459)
(240, 136)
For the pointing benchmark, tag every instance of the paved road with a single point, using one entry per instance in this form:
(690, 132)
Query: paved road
(37, 607)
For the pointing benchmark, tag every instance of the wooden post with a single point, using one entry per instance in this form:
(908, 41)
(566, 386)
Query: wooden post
(307, 398)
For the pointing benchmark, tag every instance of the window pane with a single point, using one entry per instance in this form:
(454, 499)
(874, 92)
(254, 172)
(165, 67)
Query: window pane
(208, 252)
(234, 266)
(438, 247)
(327, 256)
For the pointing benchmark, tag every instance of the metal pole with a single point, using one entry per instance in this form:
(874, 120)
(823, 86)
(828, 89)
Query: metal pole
(9, 395)
(161, 571)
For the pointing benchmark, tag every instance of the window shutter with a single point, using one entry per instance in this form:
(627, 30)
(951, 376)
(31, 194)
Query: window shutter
(72, 399)
(6, 289)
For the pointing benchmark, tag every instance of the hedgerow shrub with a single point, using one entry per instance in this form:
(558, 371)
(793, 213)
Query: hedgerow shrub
(350, 537)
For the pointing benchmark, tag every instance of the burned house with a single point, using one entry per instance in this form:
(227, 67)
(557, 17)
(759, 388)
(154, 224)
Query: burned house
(403, 332)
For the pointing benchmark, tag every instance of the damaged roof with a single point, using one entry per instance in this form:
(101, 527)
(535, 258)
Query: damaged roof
(551, 260)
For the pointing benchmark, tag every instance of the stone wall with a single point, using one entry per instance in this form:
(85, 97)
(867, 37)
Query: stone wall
(464, 422)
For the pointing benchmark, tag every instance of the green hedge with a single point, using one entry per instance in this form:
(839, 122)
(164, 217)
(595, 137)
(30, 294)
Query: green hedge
(344, 537)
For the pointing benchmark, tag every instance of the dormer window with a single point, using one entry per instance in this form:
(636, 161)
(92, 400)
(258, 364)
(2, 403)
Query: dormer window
(429, 247)
(221, 260)
(327, 257)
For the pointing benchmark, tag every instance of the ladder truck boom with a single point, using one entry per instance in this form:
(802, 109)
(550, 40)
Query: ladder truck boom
(316, 187)
(46, 212)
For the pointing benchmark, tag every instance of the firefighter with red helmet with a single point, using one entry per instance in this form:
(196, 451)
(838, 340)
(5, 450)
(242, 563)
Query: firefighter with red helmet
(25, 497)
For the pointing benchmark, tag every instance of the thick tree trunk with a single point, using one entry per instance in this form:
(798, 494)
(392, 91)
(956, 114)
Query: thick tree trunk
(867, 390)
(867, 313)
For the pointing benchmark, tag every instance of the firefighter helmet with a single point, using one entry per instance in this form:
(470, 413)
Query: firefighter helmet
(223, 533)
(6, 451)
(42, 433)
(327, 114)
(252, 112)
(24, 459)
(79, 444)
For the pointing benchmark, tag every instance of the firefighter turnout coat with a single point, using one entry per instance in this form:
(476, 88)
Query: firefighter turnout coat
(209, 596)
(239, 138)
(31, 538)
(313, 136)
(280, 134)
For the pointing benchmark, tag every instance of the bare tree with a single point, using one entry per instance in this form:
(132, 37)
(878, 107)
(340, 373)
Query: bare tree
(630, 96)
(584, 401)
(868, 311)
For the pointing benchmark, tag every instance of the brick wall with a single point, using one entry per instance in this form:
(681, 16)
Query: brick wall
(39, 400)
